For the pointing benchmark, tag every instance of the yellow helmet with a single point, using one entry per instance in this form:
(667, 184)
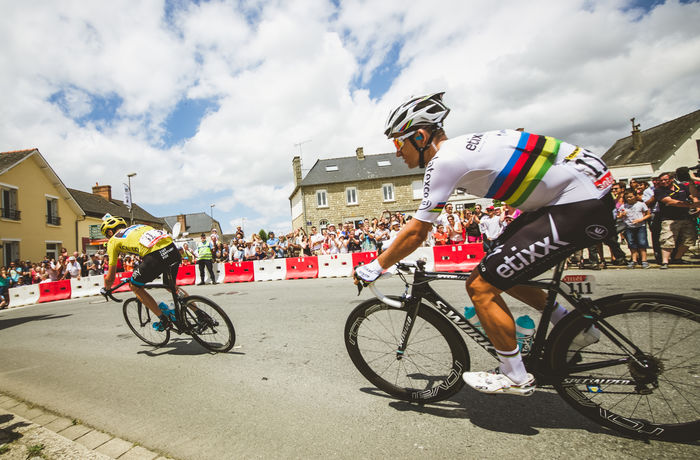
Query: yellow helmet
(109, 222)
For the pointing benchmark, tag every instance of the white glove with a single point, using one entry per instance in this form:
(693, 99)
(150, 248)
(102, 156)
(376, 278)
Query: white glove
(368, 273)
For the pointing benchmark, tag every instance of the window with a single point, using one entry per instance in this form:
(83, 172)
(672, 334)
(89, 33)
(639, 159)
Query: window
(330, 168)
(388, 192)
(10, 251)
(8, 203)
(321, 199)
(384, 163)
(417, 187)
(52, 211)
(52, 250)
(351, 196)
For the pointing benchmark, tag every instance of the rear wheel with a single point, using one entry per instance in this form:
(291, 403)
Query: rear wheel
(655, 395)
(208, 324)
(140, 320)
(431, 367)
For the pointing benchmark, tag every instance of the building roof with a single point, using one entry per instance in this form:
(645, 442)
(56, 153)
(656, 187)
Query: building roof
(9, 160)
(196, 223)
(97, 206)
(350, 169)
(658, 143)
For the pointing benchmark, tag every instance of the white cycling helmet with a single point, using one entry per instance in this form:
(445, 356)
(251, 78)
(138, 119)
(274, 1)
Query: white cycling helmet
(417, 113)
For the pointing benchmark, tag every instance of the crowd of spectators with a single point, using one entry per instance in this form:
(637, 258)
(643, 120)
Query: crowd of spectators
(641, 215)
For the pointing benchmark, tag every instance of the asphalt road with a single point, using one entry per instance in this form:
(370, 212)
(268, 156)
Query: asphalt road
(288, 388)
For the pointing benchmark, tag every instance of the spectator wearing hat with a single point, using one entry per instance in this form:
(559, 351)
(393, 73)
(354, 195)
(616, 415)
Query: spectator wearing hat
(73, 269)
(491, 226)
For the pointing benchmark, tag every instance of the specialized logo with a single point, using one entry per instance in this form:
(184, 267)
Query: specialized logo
(596, 232)
(525, 257)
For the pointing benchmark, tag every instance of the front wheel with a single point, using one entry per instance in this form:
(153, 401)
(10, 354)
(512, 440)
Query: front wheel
(208, 324)
(140, 320)
(654, 395)
(430, 369)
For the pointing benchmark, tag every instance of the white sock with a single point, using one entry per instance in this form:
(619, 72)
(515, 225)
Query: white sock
(512, 365)
(558, 313)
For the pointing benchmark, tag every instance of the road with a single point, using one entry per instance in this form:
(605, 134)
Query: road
(288, 388)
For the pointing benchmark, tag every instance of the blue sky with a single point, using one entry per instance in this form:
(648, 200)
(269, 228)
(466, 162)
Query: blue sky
(205, 101)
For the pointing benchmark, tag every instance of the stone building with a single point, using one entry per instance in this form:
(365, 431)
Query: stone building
(339, 190)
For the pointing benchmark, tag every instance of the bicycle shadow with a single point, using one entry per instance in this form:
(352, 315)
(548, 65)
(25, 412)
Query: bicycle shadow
(182, 347)
(7, 323)
(524, 416)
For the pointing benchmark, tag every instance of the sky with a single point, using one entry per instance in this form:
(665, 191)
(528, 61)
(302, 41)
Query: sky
(209, 101)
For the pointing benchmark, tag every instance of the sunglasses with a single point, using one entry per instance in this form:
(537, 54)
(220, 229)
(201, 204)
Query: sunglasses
(401, 140)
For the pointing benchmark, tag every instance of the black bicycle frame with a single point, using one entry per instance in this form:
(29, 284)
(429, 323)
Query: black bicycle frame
(421, 290)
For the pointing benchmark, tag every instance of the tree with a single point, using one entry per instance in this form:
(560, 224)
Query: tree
(263, 234)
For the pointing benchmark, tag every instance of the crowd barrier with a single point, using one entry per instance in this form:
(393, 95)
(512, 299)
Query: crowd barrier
(455, 258)
(301, 268)
(85, 287)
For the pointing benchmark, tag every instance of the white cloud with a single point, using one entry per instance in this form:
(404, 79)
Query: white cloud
(286, 72)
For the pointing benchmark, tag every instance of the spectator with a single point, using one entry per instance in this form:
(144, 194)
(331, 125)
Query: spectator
(394, 228)
(282, 248)
(471, 224)
(316, 241)
(91, 265)
(677, 225)
(442, 218)
(4, 288)
(214, 238)
(440, 236)
(73, 269)
(381, 234)
(249, 251)
(128, 264)
(188, 257)
(491, 227)
(204, 259)
(273, 242)
(634, 213)
(354, 241)
(454, 229)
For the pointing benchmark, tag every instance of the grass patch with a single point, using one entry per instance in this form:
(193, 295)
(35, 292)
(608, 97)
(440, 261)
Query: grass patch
(35, 450)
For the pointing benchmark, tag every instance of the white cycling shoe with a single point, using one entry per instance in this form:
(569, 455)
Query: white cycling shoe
(581, 341)
(493, 382)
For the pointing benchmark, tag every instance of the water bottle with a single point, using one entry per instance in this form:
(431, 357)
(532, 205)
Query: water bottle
(470, 315)
(168, 310)
(524, 333)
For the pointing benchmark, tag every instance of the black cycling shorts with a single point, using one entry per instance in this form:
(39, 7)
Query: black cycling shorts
(164, 261)
(538, 240)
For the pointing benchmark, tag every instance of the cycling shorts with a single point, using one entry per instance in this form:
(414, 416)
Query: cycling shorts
(165, 261)
(538, 240)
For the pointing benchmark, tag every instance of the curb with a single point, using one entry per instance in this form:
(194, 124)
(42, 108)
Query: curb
(25, 428)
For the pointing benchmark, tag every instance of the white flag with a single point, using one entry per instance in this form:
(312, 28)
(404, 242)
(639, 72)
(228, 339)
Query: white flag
(127, 197)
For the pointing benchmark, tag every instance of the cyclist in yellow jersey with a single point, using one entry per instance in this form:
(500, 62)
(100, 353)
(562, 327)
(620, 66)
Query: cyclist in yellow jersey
(158, 253)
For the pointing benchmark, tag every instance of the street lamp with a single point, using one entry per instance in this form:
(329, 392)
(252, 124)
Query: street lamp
(131, 200)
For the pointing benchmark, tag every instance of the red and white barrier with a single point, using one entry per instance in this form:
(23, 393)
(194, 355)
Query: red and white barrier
(85, 287)
(239, 272)
(56, 290)
(270, 270)
(301, 268)
(453, 258)
(458, 257)
(24, 295)
(337, 265)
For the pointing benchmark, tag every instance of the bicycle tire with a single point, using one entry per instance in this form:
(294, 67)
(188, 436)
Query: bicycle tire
(219, 335)
(140, 320)
(430, 368)
(667, 330)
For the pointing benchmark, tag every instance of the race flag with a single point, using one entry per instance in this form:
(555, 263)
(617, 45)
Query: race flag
(127, 196)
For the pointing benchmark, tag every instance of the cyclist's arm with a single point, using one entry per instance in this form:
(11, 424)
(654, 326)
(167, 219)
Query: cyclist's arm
(111, 274)
(407, 240)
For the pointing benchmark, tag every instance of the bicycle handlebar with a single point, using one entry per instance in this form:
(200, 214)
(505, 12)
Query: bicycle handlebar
(404, 265)
(108, 292)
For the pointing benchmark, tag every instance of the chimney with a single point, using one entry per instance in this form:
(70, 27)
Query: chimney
(636, 136)
(105, 191)
(296, 165)
(183, 223)
(360, 152)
